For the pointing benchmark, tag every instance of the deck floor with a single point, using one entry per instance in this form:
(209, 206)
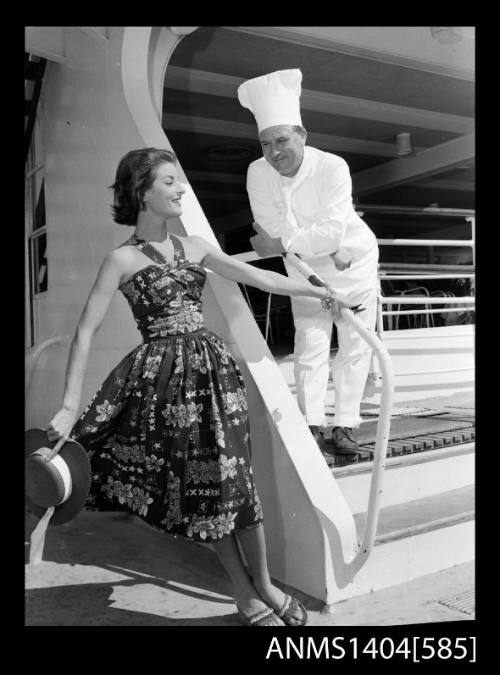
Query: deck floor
(104, 569)
(416, 426)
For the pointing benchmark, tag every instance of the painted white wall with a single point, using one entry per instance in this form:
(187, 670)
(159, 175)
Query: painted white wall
(86, 128)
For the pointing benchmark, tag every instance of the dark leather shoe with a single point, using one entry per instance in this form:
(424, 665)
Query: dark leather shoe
(343, 441)
(318, 436)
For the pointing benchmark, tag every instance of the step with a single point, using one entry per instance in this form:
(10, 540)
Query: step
(420, 537)
(409, 476)
(422, 515)
(407, 558)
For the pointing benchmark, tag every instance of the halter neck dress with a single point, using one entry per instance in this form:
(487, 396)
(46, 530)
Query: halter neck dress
(167, 432)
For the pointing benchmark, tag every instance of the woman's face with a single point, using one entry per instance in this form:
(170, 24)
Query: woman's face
(164, 196)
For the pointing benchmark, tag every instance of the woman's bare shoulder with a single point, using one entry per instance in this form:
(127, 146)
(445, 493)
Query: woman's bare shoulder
(121, 258)
(121, 253)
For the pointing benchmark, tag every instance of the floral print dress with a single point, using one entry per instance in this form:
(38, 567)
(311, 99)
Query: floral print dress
(167, 432)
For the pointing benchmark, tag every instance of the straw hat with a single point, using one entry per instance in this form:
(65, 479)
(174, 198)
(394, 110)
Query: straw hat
(59, 480)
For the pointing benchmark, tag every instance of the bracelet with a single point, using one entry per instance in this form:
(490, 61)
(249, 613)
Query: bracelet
(329, 299)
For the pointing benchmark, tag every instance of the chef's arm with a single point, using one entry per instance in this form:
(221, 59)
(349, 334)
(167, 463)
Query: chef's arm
(325, 236)
(264, 209)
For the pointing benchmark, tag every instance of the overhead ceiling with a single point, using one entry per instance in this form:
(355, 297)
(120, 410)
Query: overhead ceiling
(361, 87)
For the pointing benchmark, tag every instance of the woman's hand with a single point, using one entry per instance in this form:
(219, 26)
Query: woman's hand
(61, 424)
(340, 302)
(336, 302)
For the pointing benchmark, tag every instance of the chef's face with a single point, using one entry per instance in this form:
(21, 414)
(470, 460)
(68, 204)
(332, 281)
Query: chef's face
(283, 148)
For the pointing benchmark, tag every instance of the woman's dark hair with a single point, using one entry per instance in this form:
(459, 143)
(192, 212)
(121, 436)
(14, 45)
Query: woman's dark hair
(135, 174)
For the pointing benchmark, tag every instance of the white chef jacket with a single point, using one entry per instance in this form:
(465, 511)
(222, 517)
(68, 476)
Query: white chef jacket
(312, 212)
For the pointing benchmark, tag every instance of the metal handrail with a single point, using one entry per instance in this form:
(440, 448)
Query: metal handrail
(383, 426)
(426, 300)
(251, 256)
(412, 210)
(426, 242)
(423, 268)
(382, 436)
(427, 311)
(406, 277)
(382, 439)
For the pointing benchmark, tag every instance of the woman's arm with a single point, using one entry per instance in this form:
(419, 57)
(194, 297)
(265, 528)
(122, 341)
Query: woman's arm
(105, 286)
(234, 269)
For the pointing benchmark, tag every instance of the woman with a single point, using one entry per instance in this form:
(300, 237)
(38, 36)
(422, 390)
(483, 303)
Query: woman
(167, 432)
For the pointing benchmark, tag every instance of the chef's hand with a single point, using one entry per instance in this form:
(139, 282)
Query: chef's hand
(342, 258)
(263, 244)
(61, 424)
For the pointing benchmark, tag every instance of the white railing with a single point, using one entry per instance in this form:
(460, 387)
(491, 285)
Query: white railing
(426, 242)
(381, 441)
(465, 303)
(249, 256)
(401, 277)
(425, 299)
(383, 428)
(408, 300)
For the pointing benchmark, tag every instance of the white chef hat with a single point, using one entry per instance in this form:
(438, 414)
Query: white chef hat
(274, 99)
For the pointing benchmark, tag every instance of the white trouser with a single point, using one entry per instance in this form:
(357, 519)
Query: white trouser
(313, 330)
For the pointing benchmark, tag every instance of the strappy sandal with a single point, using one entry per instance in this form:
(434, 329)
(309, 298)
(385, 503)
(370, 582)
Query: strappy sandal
(293, 612)
(263, 617)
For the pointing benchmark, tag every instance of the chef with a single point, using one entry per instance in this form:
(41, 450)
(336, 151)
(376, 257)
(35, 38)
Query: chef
(301, 201)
